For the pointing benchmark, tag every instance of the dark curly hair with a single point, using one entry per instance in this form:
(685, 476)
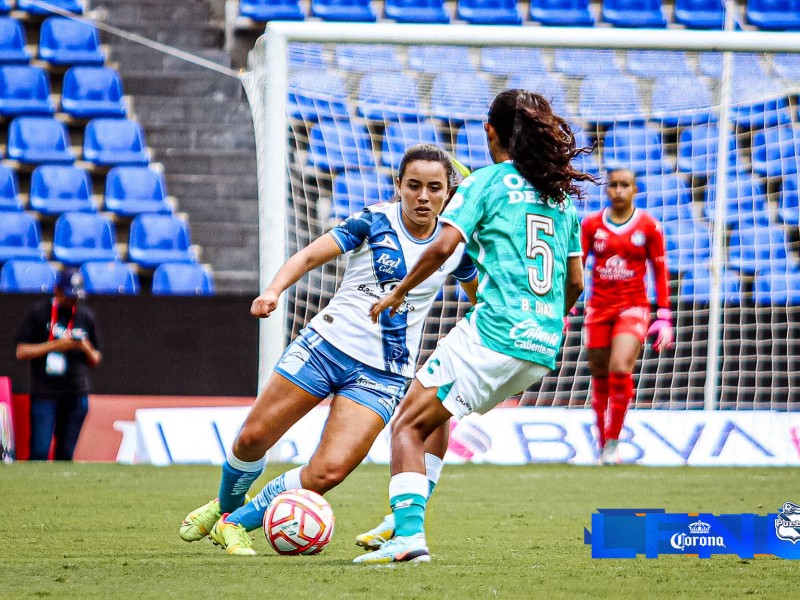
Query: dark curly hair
(540, 143)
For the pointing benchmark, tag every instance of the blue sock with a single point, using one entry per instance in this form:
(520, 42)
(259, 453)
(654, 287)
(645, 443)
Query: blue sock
(237, 477)
(407, 497)
(251, 515)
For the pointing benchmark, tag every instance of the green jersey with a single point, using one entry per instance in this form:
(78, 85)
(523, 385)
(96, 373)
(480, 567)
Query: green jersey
(519, 244)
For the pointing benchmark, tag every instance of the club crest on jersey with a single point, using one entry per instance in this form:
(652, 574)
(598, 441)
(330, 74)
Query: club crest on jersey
(638, 239)
(615, 269)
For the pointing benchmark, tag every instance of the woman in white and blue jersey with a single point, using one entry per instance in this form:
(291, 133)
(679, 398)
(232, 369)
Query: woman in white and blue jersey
(342, 353)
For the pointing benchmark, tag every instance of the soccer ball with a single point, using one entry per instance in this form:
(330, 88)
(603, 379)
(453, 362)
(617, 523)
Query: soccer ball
(298, 522)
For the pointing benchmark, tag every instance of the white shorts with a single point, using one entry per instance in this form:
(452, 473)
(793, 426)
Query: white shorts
(470, 376)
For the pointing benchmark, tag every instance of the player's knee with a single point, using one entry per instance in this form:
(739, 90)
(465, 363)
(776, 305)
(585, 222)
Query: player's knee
(323, 478)
(250, 437)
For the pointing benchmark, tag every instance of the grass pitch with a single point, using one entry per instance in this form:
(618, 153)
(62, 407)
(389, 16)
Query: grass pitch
(111, 531)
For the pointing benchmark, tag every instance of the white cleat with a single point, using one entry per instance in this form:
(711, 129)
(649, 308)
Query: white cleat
(398, 549)
(610, 454)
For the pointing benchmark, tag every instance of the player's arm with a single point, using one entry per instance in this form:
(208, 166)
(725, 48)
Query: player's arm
(574, 286)
(662, 327)
(586, 238)
(471, 289)
(28, 351)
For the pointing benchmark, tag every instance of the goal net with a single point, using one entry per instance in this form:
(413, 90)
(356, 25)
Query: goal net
(335, 108)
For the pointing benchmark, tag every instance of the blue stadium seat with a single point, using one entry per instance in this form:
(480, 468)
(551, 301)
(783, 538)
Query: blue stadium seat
(315, 95)
(651, 63)
(68, 42)
(109, 277)
(36, 8)
(182, 279)
(696, 286)
(666, 197)
(9, 190)
(489, 12)
(787, 66)
(775, 151)
(133, 190)
(688, 243)
(33, 140)
(271, 10)
(353, 190)
(399, 136)
(6, 6)
(633, 13)
(335, 145)
(343, 10)
(697, 149)
(472, 149)
(585, 62)
(634, 146)
(563, 13)
(416, 11)
(774, 15)
(374, 104)
(680, 101)
(435, 59)
(27, 277)
(789, 202)
(109, 142)
(24, 90)
(306, 56)
(699, 14)
(758, 247)
(156, 239)
(90, 92)
(12, 42)
(602, 102)
(20, 236)
(546, 85)
(743, 64)
(746, 202)
(57, 189)
(750, 110)
(470, 103)
(367, 58)
(777, 287)
(504, 61)
(587, 163)
(594, 200)
(80, 237)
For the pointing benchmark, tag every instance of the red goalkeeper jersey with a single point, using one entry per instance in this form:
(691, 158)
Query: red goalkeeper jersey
(621, 253)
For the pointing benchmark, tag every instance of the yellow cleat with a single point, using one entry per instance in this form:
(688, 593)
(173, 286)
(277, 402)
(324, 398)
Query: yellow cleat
(199, 522)
(232, 537)
(377, 536)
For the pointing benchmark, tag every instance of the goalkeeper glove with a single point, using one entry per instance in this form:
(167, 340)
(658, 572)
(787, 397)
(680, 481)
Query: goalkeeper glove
(662, 330)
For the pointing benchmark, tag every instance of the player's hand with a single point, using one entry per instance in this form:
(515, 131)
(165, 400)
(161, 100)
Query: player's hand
(662, 330)
(572, 313)
(263, 306)
(392, 301)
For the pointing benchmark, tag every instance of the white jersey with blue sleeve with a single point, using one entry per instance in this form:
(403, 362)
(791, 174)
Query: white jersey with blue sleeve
(382, 252)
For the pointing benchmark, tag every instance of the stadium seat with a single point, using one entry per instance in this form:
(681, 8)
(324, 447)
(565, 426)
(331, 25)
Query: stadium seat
(133, 190)
(80, 237)
(374, 104)
(416, 11)
(109, 277)
(27, 276)
(697, 149)
(6, 6)
(90, 92)
(315, 95)
(306, 56)
(633, 13)
(57, 189)
(758, 247)
(36, 8)
(109, 142)
(665, 196)
(271, 10)
(182, 279)
(563, 13)
(24, 90)
(335, 145)
(489, 12)
(774, 15)
(746, 202)
(602, 102)
(434, 59)
(546, 85)
(343, 10)
(69, 42)
(472, 149)
(651, 63)
(587, 163)
(594, 200)
(778, 287)
(367, 58)
(20, 236)
(699, 14)
(402, 134)
(751, 110)
(775, 151)
(9, 190)
(696, 286)
(787, 67)
(788, 202)
(634, 146)
(353, 190)
(470, 103)
(680, 101)
(156, 239)
(583, 63)
(688, 244)
(504, 61)
(33, 140)
(12, 42)
(744, 63)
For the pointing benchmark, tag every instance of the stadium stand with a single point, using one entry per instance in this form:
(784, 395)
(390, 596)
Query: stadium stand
(20, 237)
(36, 8)
(130, 191)
(775, 151)
(157, 239)
(355, 189)
(81, 237)
(699, 14)
(416, 11)
(564, 13)
(633, 13)
(27, 276)
(9, 190)
(489, 12)
(343, 10)
(270, 10)
(57, 189)
(314, 95)
(24, 90)
(788, 203)
(35, 140)
(777, 286)
(634, 146)
(335, 145)
(364, 58)
(471, 147)
(65, 41)
(109, 142)
(90, 92)
(13, 47)
(375, 105)
(402, 134)
(109, 277)
(470, 104)
(774, 15)
(182, 279)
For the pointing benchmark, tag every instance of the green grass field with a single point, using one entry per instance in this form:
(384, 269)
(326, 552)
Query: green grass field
(111, 531)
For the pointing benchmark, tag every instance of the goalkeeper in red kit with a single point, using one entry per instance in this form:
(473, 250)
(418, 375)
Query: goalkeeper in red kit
(623, 240)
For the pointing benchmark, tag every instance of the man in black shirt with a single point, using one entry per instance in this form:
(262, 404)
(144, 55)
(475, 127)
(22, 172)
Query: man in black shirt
(59, 337)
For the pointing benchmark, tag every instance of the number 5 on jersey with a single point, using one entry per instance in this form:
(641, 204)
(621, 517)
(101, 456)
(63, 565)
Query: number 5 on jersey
(540, 278)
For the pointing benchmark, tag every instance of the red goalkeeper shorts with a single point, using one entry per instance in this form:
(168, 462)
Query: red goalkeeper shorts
(603, 324)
